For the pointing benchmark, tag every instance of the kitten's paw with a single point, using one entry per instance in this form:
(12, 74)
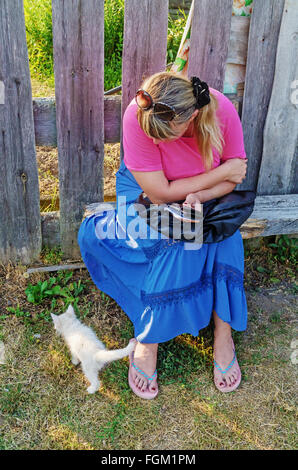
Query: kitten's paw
(75, 361)
(91, 389)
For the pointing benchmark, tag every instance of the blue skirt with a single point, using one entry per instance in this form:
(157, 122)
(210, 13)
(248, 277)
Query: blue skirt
(170, 285)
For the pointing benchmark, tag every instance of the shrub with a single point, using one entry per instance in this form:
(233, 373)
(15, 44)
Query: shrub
(38, 20)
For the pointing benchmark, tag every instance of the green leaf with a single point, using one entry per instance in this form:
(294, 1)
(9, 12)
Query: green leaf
(31, 298)
(56, 290)
(44, 286)
(272, 245)
(261, 269)
(49, 292)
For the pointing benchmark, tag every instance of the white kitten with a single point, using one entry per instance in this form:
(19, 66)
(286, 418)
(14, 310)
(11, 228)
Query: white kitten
(86, 348)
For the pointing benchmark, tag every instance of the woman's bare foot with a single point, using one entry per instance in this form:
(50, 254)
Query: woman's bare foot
(224, 355)
(145, 358)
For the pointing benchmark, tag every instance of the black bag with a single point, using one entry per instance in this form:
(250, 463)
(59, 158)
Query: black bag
(224, 215)
(220, 218)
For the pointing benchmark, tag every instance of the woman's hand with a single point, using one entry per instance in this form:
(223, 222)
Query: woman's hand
(192, 199)
(236, 169)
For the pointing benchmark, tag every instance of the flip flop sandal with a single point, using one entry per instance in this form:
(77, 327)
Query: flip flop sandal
(223, 371)
(146, 394)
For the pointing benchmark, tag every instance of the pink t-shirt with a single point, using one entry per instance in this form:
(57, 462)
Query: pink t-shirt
(180, 158)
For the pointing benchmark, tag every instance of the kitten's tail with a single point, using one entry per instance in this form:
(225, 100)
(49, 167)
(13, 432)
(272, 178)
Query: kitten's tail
(113, 355)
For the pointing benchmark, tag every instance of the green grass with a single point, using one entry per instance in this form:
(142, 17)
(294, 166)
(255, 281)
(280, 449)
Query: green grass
(51, 255)
(38, 20)
(272, 261)
(44, 403)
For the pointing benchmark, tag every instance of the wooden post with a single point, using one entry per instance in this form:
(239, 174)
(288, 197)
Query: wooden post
(20, 223)
(144, 46)
(260, 68)
(279, 165)
(145, 43)
(78, 39)
(209, 41)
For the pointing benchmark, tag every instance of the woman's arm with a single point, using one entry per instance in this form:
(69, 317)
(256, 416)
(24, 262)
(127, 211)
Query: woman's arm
(204, 195)
(160, 190)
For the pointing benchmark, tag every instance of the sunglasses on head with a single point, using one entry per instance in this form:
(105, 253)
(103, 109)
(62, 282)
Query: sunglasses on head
(164, 111)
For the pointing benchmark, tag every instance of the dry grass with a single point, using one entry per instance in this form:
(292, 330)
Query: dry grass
(47, 161)
(41, 88)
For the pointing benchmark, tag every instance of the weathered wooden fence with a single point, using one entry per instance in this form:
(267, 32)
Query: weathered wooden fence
(80, 119)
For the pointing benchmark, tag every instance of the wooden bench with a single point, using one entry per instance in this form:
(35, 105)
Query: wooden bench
(272, 215)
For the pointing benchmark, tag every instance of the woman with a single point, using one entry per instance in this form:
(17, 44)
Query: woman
(182, 141)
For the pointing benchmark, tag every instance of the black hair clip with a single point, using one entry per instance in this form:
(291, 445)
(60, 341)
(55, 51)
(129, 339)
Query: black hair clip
(201, 92)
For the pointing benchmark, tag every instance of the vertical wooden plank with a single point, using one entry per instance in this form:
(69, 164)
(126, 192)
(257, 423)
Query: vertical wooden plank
(278, 172)
(20, 223)
(78, 40)
(209, 41)
(145, 43)
(237, 50)
(260, 69)
(44, 113)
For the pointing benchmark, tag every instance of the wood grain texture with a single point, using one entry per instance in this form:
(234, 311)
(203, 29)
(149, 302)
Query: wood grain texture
(260, 68)
(279, 165)
(20, 227)
(44, 112)
(209, 41)
(78, 39)
(238, 42)
(60, 267)
(112, 118)
(50, 229)
(144, 45)
(279, 212)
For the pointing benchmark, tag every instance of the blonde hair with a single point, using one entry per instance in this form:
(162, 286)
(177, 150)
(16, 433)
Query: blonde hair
(177, 91)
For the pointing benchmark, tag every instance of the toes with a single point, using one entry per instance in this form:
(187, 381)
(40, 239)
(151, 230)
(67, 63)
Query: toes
(144, 386)
(231, 381)
(221, 382)
(232, 378)
(140, 382)
(152, 387)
